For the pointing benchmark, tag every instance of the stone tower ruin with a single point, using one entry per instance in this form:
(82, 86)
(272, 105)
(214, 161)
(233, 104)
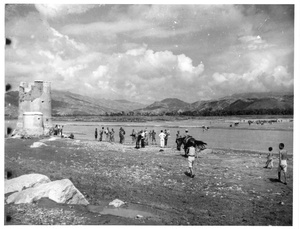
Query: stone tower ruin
(35, 116)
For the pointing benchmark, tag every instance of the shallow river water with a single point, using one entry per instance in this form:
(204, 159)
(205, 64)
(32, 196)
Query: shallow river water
(220, 134)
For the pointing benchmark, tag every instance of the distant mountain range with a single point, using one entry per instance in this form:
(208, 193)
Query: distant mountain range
(237, 102)
(67, 103)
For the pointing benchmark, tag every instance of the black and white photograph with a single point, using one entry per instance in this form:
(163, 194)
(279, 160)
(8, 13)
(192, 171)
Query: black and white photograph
(150, 114)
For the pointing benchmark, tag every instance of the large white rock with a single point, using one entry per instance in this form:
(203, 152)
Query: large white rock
(60, 191)
(37, 144)
(25, 181)
(116, 203)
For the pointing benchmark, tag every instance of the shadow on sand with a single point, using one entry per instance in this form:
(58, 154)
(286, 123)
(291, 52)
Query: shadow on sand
(188, 174)
(275, 180)
(181, 155)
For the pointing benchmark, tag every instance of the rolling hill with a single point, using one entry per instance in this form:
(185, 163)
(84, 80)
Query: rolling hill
(67, 103)
(164, 106)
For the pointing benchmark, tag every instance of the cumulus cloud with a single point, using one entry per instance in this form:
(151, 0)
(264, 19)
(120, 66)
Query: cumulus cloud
(150, 52)
(142, 73)
(137, 51)
(100, 71)
(185, 65)
(43, 53)
(282, 77)
(257, 80)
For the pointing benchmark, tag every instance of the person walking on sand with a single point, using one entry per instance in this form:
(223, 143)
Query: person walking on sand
(269, 159)
(191, 159)
(162, 136)
(282, 166)
(96, 134)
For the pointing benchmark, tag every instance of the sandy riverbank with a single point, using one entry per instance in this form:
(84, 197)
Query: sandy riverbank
(230, 187)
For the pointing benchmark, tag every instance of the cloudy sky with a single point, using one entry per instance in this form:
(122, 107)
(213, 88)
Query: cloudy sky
(147, 53)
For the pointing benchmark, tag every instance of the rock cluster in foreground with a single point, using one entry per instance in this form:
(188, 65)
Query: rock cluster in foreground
(32, 187)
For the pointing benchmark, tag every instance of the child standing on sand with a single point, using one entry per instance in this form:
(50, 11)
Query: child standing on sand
(269, 159)
(282, 167)
(191, 159)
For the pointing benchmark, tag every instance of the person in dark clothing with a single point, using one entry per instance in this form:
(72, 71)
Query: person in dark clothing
(167, 133)
(138, 139)
(55, 130)
(153, 136)
(61, 130)
(96, 134)
(122, 135)
(112, 135)
(101, 134)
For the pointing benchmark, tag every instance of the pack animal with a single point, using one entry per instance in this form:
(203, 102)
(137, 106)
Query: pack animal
(187, 142)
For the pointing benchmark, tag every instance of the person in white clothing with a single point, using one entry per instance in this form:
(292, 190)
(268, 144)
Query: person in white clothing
(282, 166)
(191, 159)
(162, 136)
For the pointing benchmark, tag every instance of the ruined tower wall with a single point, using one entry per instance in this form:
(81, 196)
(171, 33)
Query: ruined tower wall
(35, 97)
(33, 123)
